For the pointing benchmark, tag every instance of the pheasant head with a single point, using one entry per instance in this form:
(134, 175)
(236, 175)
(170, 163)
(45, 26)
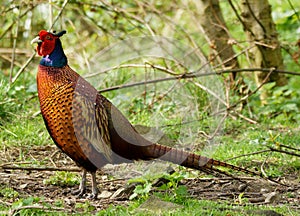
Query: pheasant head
(49, 46)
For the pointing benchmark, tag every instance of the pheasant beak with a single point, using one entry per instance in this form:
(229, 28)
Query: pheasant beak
(36, 40)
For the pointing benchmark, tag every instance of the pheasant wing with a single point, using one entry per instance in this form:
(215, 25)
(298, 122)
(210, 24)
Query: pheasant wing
(90, 122)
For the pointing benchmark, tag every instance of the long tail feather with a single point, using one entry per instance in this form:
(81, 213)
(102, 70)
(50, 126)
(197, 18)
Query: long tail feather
(190, 160)
(194, 161)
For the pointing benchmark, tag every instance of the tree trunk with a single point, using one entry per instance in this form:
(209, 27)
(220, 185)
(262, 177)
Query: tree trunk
(214, 28)
(261, 33)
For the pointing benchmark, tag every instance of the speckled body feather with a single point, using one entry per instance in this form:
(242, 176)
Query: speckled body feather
(56, 88)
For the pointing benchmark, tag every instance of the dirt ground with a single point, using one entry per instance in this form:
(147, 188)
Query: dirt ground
(29, 182)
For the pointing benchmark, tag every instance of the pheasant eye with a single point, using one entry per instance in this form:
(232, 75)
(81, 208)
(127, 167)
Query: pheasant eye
(48, 37)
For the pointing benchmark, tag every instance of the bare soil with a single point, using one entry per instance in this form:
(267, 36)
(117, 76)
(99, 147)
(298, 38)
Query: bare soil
(114, 187)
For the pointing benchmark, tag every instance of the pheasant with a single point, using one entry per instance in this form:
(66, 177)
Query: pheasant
(88, 127)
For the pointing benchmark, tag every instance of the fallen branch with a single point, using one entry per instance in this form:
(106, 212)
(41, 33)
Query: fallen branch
(289, 147)
(248, 154)
(5, 167)
(283, 151)
(14, 211)
(222, 179)
(262, 166)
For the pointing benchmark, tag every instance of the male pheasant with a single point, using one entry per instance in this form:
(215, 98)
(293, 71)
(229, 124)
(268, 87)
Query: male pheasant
(87, 127)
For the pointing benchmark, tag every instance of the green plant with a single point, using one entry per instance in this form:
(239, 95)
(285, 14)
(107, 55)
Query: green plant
(174, 179)
(7, 104)
(146, 183)
(8, 192)
(283, 103)
(62, 178)
(85, 207)
(141, 190)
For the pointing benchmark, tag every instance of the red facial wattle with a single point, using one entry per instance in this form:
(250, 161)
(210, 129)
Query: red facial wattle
(47, 45)
(38, 49)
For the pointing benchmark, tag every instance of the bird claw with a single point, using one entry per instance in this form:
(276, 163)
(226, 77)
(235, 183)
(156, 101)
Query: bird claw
(91, 196)
(79, 192)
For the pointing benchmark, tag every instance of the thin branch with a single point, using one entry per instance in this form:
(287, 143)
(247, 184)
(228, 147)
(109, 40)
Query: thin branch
(164, 94)
(40, 168)
(50, 18)
(195, 74)
(258, 69)
(253, 92)
(146, 65)
(262, 166)
(140, 83)
(206, 89)
(59, 14)
(219, 179)
(255, 17)
(13, 55)
(289, 147)
(295, 11)
(248, 154)
(15, 210)
(251, 121)
(239, 18)
(23, 67)
(218, 127)
(283, 151)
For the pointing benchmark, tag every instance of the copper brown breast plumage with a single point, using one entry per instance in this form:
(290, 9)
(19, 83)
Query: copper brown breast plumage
(87, 127)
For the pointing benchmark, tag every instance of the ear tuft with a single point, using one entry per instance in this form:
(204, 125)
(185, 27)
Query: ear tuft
(59, 34)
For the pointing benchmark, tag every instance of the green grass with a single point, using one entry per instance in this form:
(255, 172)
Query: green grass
(183, 206)
(196, 207)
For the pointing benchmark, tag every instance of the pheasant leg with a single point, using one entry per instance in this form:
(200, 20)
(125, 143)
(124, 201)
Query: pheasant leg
(82, 187)
(95, 190)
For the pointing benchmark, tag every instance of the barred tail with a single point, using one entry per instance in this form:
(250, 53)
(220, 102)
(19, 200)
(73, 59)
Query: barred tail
(190, 160)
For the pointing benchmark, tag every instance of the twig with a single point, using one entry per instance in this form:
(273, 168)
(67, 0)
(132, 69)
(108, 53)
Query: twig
(13, 55)
(14, 211)
(197, 74)
(206, 89)
(52, 156)
(295, 11)
(222, 179)
(50, 14)
(262, 166)
(23, 67)
(253, 92)
(282, 151)
(218, 127)
(40, 168)
(255, 17)
(5, 203)
(248, 154)
(32, 6)
(13, 163)
(243, 117)
(59, 14)
(238, 16)
(289, 147)
(146, 65)
(140, 83)
(213, 169)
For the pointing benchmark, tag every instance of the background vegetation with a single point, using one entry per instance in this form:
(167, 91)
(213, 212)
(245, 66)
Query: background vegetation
(110, 43)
